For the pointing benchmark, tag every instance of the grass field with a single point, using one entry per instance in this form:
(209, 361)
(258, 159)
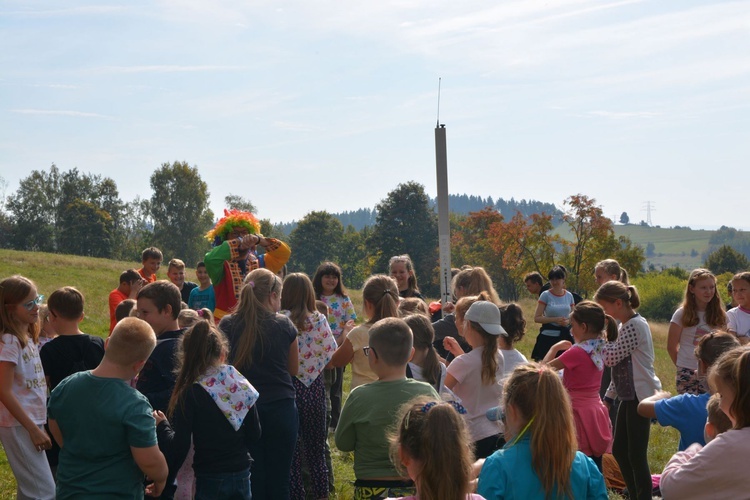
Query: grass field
(97, 277)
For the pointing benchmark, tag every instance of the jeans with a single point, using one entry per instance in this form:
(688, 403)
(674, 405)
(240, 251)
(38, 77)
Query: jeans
(225, 485)
(272, 453)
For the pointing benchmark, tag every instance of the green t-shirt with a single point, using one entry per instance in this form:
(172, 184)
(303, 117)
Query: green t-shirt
(100, 419)
(368, 413)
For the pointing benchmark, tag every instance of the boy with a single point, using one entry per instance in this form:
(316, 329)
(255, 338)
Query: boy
(176, 274)
(158, 304)
(203, 295)
(371, 409)
(130, 284)
(151, 260)
(108, 441)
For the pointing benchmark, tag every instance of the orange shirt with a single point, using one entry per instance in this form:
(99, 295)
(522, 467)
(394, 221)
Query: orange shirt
(150, 279)
(115, 297)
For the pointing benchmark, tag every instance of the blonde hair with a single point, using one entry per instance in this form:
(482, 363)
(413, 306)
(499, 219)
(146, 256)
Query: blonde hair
(474, 281)
(617, 290)
(131, 341)
(612, 268)
(715, 315)
(412, 305)
(189, 317)
(434, 434)
(298, 297)
(537, 393)
(13, 291)
(733, 369)
(177, 264)
(382, 293)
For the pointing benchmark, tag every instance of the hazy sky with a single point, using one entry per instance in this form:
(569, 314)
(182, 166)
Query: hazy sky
(321, 105)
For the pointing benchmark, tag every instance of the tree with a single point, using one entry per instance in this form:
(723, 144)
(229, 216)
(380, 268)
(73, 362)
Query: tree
(726, 259)
(650, 249)
(33, 209)
(235, 201)
(86, 230)
(317, 238)
(179, 208)
(624, 219)
(136, 230)
(406, 224)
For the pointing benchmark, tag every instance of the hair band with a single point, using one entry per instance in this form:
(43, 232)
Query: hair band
(200, 312)
(251, 283)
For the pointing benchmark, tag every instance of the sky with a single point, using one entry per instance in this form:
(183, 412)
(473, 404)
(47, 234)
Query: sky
(320, 105)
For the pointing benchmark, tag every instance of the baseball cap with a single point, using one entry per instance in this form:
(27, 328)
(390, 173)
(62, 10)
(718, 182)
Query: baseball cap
(487, 315)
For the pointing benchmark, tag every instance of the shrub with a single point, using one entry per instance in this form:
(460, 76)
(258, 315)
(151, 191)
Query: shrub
(660, 293)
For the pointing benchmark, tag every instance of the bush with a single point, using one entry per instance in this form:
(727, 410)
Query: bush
(660, 293)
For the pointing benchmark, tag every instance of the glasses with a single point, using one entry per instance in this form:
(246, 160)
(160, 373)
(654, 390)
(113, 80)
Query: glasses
(366, 349)
(29, 306)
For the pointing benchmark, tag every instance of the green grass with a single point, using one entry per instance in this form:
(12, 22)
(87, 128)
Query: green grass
(95, 278)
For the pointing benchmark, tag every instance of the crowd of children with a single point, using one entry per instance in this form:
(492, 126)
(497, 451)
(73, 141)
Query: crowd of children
(182, 404)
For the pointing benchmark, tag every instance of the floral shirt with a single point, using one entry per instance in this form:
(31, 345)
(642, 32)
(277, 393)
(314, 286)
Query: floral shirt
(316, 347)
(342, 311)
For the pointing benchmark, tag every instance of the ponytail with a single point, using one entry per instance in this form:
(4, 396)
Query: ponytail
(424, 336)
(617, 290)
(489, 354)
(382, 293)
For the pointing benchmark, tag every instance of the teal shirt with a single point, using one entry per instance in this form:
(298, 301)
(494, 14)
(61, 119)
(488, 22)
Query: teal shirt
(368, 412)
(508, 474)
(100, 419)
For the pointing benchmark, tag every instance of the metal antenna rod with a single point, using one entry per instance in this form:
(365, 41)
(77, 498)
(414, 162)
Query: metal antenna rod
(438, 107)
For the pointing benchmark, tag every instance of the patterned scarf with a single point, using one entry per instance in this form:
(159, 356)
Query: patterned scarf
(231, 392)
(593, 347)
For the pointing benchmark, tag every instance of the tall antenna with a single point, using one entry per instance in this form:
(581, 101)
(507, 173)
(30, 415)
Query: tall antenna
(648, 208)
(438, 107)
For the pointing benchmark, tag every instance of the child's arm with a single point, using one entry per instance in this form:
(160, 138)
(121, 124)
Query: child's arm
(451, 345)
(345, 353)
(152, 463)
(647, 407)
(346, 436)
(627, 342)
(55, 430)
(673, 341)
(550, 358)
(293, 361)
(40, 438)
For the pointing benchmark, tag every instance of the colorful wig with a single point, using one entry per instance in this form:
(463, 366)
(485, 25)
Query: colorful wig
(232, 219)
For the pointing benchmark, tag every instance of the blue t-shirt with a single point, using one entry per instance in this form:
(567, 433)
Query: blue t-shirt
(202, 298)
(555, 306)
(687, 413)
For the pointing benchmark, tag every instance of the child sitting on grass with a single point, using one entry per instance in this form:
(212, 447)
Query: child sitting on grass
(371, 409)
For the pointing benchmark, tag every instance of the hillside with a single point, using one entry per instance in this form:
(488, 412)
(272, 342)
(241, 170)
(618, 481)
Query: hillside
(682, 247)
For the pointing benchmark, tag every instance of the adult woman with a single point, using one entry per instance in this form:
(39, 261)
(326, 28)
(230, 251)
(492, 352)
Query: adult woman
(552, 311)
(402, 270)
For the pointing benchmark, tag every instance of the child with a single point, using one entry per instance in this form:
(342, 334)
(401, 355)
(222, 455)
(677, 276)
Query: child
(46, 332)
(125, 308)
(514, 325)
(582, 366)
(552, 311)
(717, 470)
(540, 460)
(208, 395)
(610, 270)
(151, 259)
(687, 412)
(631, 357)
(130, 284)
(716, 420)
(176, 274)
(425, 430)
(380, 300)
(738, 319)
(371, 409)
(263, 347)
(23, 390)
(330, 289)
(107, 449)
(189, 317)
(316, 346)
(425, 365)
(475, 377)
(700, 313)
(412, 305)
(203, 295)
(159, 306)
(401, 269)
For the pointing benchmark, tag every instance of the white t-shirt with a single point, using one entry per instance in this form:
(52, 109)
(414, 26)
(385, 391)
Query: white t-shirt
(689, 338)
(475, 396)
(29, 385)
(511, 359)
(416, 373)
(738, 321)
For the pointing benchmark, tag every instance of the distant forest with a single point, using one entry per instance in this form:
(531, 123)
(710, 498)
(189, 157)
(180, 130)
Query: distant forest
(461, 204)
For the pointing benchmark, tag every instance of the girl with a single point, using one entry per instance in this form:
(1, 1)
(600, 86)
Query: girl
(425, 430)
(330, 289)
(552, 312)
(316, 346)
(412, 305)
(189, 317)
(514, 325)
(380, 299)
(263, 347)
(456, 346)
(609, 270)
(540, 461)
(207, 395)
(582, 376)
(475, 377)
(631, 357)
(738, 318)
(46, 331)
(718, 468)
(425, 364)
(700, 313)
(402, 270)
(23, 390)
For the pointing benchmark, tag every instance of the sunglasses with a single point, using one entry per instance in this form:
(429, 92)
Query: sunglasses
(29, 306)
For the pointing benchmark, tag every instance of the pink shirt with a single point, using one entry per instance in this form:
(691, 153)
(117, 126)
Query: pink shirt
(581, 374)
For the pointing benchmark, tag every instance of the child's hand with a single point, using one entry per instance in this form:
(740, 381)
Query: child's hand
(451, 345)
(449, 307)
(40, 439)
(154, 489)
(159, 417)
(348, 327)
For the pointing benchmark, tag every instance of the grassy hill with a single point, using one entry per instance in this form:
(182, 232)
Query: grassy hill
(683, 247)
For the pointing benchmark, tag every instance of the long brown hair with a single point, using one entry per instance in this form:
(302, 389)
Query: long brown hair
(537, 393)
(489, 354)
(434, 434)
(382, 293)
(473, 281)
(424, 336)
(298, 297)
(200, 348)
(412, 286)
(252, 310)
(13, 291)
(715, 315)
(592, 315)
(733, 369)
(614, 290)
